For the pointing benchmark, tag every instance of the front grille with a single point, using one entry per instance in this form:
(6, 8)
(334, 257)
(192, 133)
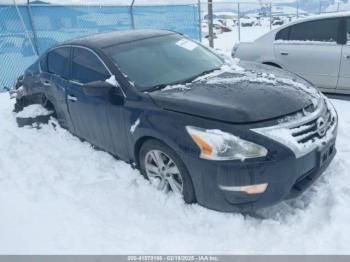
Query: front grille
(310, 131)
(305, 131)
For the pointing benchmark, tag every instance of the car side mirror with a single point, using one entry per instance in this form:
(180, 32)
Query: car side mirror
(97, 88)
(104, 89)
(116, 96)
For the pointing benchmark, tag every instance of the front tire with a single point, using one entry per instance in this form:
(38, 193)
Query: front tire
(165, 170)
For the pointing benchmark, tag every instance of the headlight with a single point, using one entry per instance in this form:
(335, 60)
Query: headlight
(218, 145)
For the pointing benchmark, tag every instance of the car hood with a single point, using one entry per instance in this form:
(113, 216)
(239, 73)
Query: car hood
(244, 94)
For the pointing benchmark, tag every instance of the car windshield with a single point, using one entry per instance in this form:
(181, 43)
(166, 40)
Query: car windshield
(156, 62)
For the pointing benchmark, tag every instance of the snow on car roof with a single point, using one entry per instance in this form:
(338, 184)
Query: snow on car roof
(318, 17)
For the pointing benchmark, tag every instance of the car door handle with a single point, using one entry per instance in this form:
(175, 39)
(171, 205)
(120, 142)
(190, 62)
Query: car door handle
(72, 98)
(46, 82)
(284, 53)
(347, 57)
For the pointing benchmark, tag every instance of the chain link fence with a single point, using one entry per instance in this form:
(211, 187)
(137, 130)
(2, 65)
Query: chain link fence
(29, 28)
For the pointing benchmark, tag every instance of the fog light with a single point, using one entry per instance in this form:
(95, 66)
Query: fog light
(253, 189)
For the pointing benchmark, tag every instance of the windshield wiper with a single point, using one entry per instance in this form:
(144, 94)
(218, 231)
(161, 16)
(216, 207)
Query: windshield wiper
(206, 72)
(188, 80)
(157, 87)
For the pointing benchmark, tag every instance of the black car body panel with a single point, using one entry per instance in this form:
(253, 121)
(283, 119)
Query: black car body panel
(232, 101)
(236, 107)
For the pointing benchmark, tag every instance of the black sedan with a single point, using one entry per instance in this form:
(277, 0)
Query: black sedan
(232, 136)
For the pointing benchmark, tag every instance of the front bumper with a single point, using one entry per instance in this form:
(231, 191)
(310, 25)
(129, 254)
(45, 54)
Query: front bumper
(286, 175)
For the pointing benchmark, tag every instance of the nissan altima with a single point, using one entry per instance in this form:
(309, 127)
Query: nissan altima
(229, 135)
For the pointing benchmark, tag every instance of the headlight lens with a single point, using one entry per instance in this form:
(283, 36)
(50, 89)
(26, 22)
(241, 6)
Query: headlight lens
(217, 145)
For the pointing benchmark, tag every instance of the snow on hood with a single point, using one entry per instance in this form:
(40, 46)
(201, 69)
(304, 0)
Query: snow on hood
(252, 72)
(226, 94)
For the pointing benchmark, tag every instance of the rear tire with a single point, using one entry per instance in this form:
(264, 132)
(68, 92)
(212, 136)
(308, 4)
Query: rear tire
(46, 103)
(165, 170)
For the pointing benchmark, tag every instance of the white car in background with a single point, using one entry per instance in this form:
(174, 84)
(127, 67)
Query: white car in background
(248, 21)
(315, 48)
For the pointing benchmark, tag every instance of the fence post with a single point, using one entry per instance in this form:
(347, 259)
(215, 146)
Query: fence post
(200, 20)
(34, 39)
(210, 23)
(132, 14)
(239, 21)
(33, 45)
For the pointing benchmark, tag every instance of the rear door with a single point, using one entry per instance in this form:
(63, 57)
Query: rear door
(55, 71)
(344, 72)
(311, 50)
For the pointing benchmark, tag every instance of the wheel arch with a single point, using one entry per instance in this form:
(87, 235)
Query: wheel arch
(137, 146)
(190, 196)
(49, 103)
(142, 139)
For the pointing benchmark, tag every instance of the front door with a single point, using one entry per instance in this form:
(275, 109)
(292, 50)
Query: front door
(89, 113)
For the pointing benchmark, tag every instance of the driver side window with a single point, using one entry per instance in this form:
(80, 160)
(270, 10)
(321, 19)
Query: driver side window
(86, 67)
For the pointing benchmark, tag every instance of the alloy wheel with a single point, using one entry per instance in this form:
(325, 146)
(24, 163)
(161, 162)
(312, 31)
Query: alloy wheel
(162, 172)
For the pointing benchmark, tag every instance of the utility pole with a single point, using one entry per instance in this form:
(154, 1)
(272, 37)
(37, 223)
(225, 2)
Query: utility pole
(210, 23)
(132, 14)
(200, 20)
(297, 8)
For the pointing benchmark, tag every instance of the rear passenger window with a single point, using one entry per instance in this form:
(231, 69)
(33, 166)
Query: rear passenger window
(283, 34)
(86, 67)
(320, 31)
(58, 62)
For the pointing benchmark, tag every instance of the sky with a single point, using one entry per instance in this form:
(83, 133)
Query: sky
(143, 2)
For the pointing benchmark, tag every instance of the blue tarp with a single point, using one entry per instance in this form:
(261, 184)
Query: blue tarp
(20, 36)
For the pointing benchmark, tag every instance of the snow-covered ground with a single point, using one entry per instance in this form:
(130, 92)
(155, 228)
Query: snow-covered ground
(58, 195)
(225, 41)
